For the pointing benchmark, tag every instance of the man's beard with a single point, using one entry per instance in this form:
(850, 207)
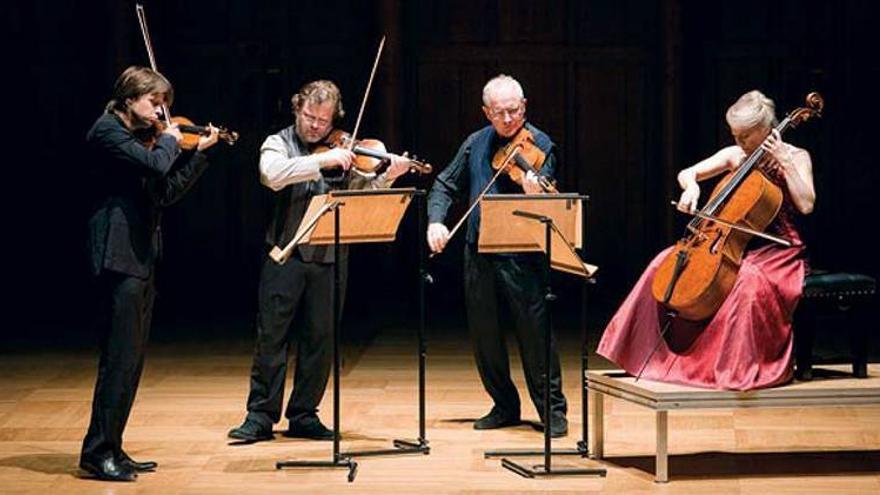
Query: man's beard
(306, 136)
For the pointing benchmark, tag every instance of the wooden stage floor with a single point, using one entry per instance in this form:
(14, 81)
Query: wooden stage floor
(192, 394)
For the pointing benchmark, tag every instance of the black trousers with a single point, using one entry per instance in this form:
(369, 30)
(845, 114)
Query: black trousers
(519, 280)
(284, 290)
(125, 312)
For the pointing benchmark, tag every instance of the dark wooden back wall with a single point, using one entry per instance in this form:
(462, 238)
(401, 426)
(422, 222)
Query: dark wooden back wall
(631, 91)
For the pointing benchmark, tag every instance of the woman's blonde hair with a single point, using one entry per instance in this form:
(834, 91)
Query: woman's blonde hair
(752, 109)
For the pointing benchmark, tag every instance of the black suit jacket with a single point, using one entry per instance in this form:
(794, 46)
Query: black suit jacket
(131, 185)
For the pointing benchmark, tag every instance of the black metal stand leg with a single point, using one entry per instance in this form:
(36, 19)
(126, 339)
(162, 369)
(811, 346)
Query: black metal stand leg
(547, 469)
(338, 460)
(342, 462)
(583, 445)
(420, 445)
(424, 280)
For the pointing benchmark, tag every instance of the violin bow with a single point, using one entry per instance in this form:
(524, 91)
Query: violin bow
(360, 116)
(142, 20)
(501, 169)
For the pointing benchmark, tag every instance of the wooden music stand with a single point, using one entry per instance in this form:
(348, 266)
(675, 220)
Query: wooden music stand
(512, 233)
(529, 223)
(370, 216)
(358, 217)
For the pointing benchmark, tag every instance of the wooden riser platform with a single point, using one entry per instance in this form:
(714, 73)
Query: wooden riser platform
(837, 390)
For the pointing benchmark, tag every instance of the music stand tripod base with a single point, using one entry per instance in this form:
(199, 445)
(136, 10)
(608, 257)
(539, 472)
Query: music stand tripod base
(539, 470)
(400, 447)
(342, 462)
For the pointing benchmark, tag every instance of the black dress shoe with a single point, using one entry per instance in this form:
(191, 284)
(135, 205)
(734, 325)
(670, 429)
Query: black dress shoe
(308, 427)
(143, 467)
(558, 426)
(496, 419)
(108, 469)
(251, 431)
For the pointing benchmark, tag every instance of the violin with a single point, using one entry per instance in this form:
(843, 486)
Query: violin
(698, 274)
(370, 154)
(522, 151)
(191, 133)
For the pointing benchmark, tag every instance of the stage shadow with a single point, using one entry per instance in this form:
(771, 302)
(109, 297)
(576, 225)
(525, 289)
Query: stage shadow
(759, 464)
(457, 420)
(522, 425)
(280, 438)
(44, 463)
(820, 373)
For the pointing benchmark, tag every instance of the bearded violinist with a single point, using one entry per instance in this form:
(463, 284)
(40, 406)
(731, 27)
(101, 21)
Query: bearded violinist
(303, 283)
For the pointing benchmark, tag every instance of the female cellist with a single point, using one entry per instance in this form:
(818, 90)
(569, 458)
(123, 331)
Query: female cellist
(747, 344)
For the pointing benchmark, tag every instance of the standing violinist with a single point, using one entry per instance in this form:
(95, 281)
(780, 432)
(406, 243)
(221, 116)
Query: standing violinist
(747, 344)
(290, 168)
(132, 182)
(515, 277)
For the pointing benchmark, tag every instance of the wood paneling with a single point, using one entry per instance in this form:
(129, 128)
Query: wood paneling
(587, 73)
(631, 90)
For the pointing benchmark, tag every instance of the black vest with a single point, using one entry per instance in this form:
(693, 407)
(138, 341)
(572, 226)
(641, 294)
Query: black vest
(291, 204)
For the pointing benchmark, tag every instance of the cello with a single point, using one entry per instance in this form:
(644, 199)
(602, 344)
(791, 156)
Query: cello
(699, 272)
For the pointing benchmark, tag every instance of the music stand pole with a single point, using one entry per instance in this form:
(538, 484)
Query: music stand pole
(424, 280)
(547, 468)
(338, 460)
(420, 445)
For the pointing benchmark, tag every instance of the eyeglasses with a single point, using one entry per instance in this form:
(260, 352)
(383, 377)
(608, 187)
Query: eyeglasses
(311, 119)
(513, 113)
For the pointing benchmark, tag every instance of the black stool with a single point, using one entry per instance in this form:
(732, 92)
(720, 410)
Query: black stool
(832, 295)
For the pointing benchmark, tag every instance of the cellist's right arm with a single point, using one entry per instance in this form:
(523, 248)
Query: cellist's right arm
(688, 179)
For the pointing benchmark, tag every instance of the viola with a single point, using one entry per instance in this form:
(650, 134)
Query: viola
(370, 154)
(697, 275)
(518, 157)
(523, 152)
